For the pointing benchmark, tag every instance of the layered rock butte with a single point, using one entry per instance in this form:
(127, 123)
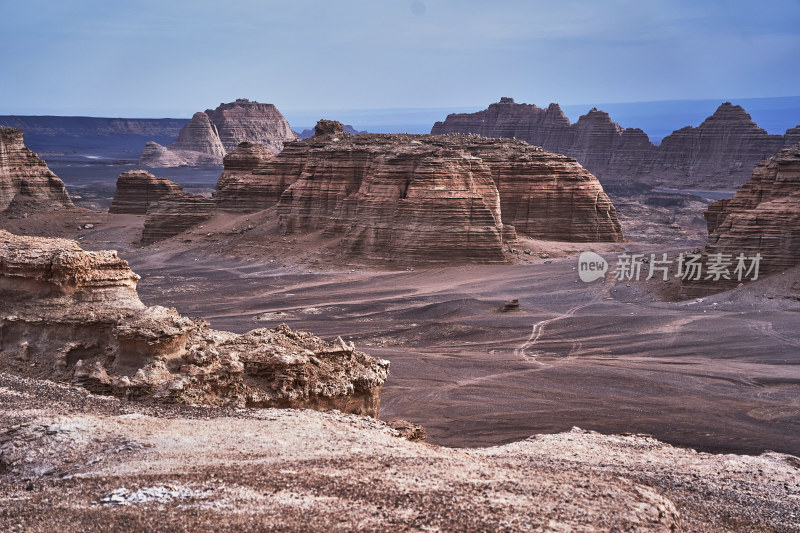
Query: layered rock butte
(75, 316)
(720, 153)
(206, 139)
(763, 216)
(136, 190)
(25, 180)
(420, 197)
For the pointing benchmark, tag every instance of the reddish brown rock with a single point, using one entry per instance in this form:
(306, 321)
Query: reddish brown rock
(435, 198)
(206, 139)
(544, 195)
(394, 198)
(175, 214)
(720, 153)
(137, 189)
(602, 146)
(763, 216)
(25, 181)
(75, 316)
(252, 179)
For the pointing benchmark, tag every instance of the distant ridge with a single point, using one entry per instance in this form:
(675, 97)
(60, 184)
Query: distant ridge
(718, 154)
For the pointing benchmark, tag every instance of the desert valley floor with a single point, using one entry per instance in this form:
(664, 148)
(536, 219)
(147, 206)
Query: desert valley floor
(719, 373)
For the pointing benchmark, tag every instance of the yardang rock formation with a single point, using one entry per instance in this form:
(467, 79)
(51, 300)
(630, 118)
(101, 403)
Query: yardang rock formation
(25, 180)
(75, 316)
(763, 216)
(206, 139)
(136, 190)
(720, 153)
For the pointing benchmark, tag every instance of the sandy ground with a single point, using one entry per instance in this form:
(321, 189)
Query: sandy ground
(722, 374)
(76, 462)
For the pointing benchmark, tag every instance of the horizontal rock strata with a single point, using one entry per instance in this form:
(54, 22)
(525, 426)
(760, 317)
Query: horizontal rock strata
(412, 203)
(763, 216)
(137, 189)
(439, 198)
(720, 153)
(206, 139)
(25, 180)
(253, 179)
(74, 316)
(175, 214)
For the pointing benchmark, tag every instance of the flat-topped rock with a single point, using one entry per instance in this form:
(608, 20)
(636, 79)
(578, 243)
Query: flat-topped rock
(75, 316)
(210, 135)
(174, 214)
(25, 181)
(137, 189)
(394, 198)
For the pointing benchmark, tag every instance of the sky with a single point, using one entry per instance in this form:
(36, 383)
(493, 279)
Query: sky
(162, 58)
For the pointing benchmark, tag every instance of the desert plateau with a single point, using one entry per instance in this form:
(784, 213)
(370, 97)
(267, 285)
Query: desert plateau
(363, 299)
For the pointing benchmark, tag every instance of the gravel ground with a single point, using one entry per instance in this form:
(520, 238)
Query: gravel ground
(72, 461)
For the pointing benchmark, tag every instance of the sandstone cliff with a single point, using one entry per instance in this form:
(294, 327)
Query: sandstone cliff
(763, 216)
(25, 180)
(175, 214)
(137, 189)
(439, 198)
(244, 120)
(71, 315)
(393, 199)
(720, 153)
(542, 194)
(206, 139)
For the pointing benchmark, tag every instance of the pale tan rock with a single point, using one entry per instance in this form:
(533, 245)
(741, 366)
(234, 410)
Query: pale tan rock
(76, 316)
(210, 135)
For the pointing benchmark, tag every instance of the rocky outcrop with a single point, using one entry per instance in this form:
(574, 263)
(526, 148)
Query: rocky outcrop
(244, 120)
(346, 128)
(198, 144)
(206, 139)
(25, 180)
(394, 198)
(720, 153)
(542, 194)
(763, 217)
(137, 189)
(438, 198)
(175, 214)
(252, 180)
(74, 316)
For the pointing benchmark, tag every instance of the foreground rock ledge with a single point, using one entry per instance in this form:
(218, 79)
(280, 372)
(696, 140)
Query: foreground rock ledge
(72, 461)
(74, 316)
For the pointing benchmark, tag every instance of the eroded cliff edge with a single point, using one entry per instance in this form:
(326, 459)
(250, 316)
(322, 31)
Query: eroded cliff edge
(25, 181)
(719, 153)
(71, 315)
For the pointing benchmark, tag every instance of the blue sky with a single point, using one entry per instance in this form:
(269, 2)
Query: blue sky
(153, 58)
